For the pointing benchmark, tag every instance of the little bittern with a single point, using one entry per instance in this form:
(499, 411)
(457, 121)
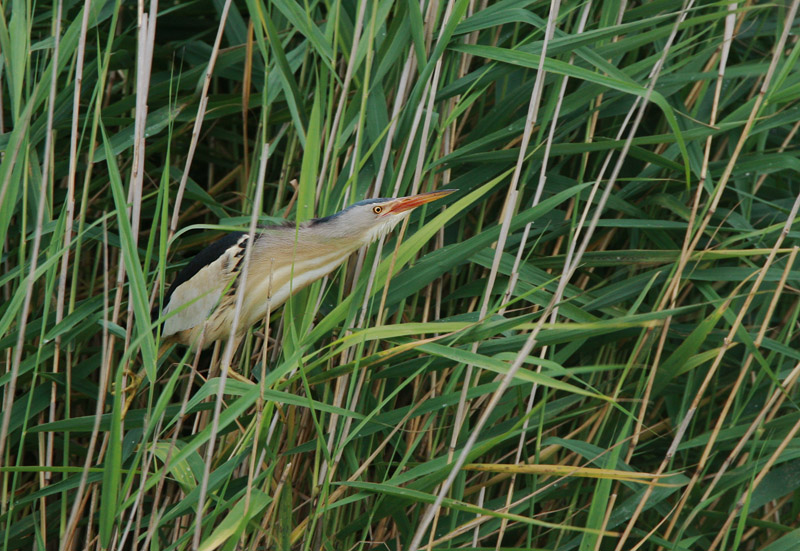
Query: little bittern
(284, 259)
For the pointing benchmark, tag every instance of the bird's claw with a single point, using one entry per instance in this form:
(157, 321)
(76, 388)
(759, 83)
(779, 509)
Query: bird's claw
(241, 378)
(129, 390)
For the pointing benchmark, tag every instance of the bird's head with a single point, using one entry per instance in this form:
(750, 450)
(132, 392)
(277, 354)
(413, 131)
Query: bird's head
(368, 220)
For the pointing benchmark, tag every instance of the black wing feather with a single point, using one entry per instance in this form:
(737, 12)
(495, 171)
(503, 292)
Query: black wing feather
(200, 261)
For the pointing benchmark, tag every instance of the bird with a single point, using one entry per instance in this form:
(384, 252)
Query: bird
(199, 306)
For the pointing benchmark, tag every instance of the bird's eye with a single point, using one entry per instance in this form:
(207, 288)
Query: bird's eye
(377, 210)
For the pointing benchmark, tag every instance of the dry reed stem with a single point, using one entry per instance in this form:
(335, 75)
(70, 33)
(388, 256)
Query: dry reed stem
(531, 341)
(341, 490)
(10, 390)
(341, 381)
(70, 216)
(517, 260)
(198, 121)
(723, 532)
(675, 282)
(230, 347)
(348, 76)
(509, 208)
(72, 522)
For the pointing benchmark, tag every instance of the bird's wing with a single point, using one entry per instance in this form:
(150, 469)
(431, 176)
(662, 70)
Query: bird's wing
(199, 286)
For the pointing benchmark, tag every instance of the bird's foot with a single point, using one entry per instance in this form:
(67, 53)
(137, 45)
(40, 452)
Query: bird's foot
(241, 378)
(129, 391)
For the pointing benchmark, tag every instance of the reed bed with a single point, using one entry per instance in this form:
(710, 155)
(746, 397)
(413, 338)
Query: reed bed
(592, 345)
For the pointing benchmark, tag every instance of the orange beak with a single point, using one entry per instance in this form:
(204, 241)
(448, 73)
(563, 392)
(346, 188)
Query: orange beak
(413, 201)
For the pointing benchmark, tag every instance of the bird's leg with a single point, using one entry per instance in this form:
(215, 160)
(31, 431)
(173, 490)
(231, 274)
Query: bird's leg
(236, 341)
(241, 378)
(136, 380)
(130, 390)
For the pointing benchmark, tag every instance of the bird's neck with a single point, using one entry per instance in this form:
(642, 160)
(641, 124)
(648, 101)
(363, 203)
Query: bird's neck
(304, 246)
(316, 238)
